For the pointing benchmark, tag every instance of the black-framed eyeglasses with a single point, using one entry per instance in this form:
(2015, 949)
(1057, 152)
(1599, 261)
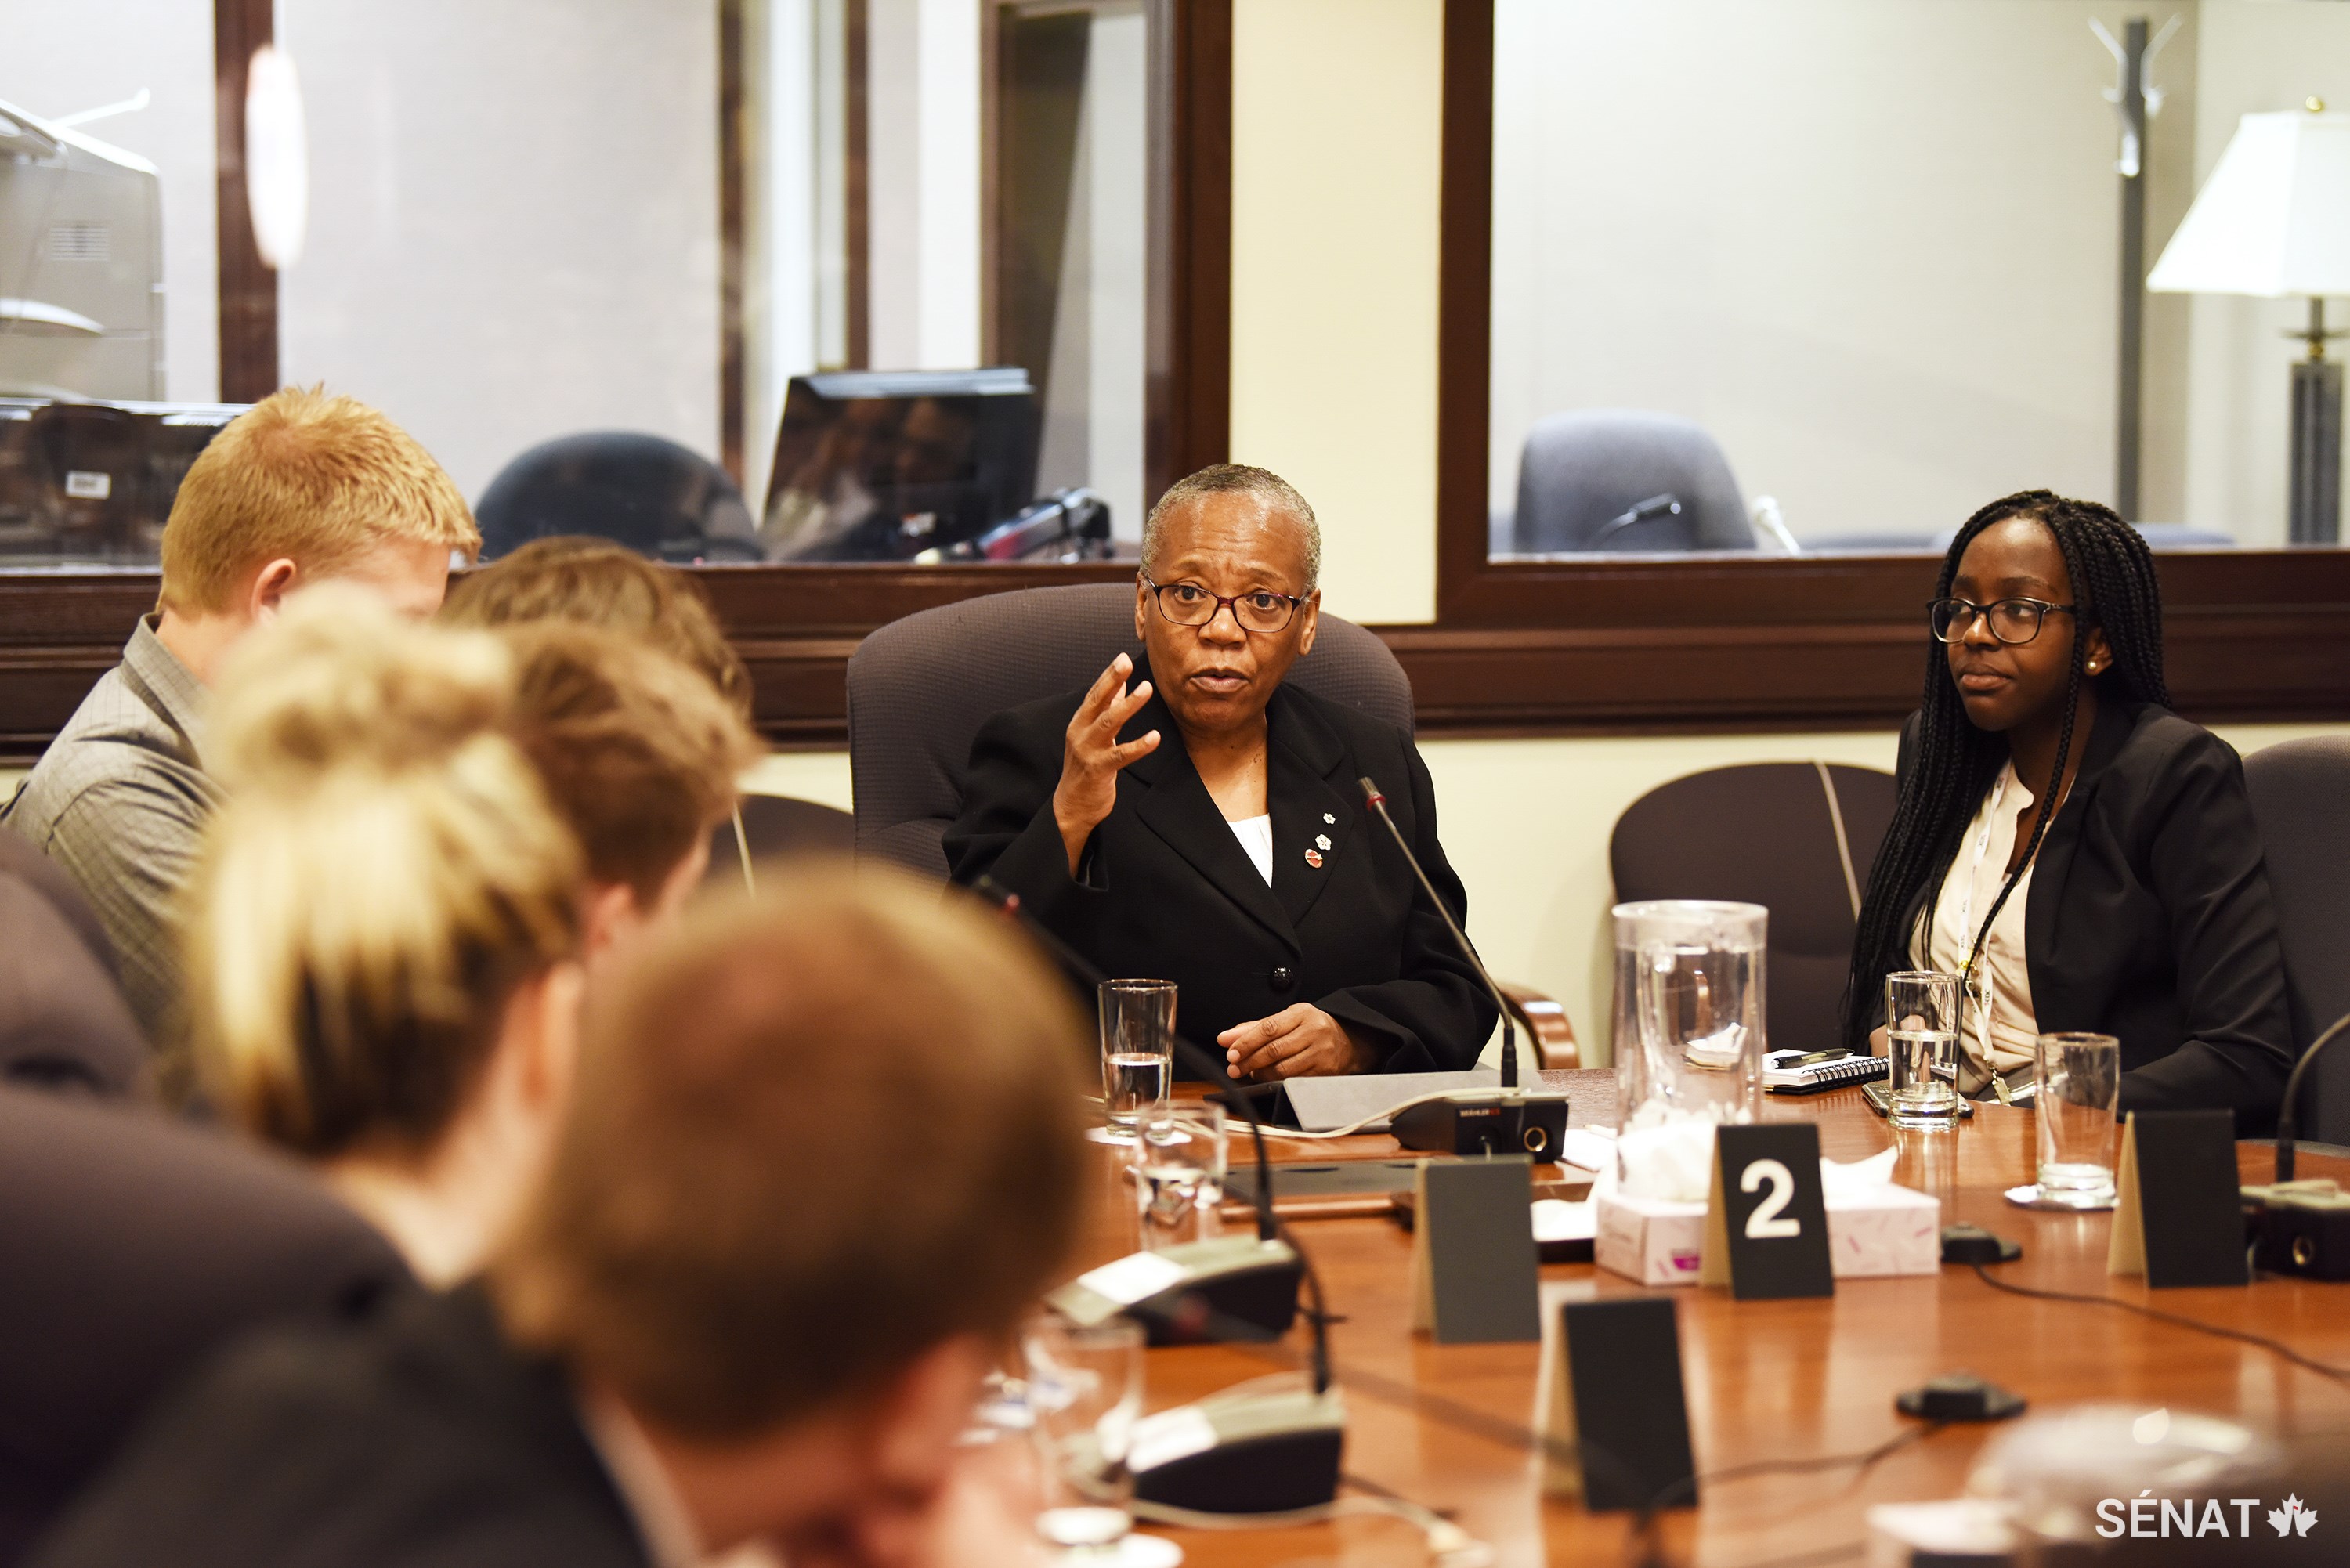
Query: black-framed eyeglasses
(1260, 610)
(2013, 621)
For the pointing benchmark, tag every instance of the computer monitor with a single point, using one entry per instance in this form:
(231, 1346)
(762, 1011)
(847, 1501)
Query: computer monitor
(882, 466)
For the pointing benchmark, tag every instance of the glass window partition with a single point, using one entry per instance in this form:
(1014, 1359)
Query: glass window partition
(510, 223)
(1804, 276)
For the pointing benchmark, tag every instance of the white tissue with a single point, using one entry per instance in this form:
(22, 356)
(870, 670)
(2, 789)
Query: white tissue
(1853, 1177)
(1668, 1161)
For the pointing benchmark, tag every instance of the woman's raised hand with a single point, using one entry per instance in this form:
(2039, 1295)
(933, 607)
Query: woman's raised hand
(1092, 757)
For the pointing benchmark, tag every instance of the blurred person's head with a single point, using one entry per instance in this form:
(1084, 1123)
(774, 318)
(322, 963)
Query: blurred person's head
(795, 1309)
(304, 488)
(638, 754)
(385, 922)
(600, 584)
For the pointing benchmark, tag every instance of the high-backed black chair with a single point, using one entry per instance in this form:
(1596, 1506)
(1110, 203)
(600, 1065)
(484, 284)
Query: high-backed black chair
(63, 1021)
(777, 825)
(658, 498)
(1797, 838)
(133, 1248)
(919, 689)
(1581, 471)
(2301, 803)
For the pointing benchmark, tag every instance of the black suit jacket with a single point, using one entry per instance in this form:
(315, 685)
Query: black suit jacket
(1167, 892)
(2149, 918)
(416, 1438)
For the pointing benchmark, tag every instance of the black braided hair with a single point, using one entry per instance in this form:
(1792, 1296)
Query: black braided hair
(1953, 763)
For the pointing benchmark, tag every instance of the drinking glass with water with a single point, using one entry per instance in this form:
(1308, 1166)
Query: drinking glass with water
(1137, 1049)
(1922, 1037)
(2078, 1089)
(1178, 1175)
(1084, 1393)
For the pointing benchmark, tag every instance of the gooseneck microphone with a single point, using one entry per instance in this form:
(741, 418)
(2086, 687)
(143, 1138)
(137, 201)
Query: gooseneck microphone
(2300, 1227)
(2288, 1114)
(1240, 1451)
(1202, 1063)
(1472, 1121)
(1378, 803)
(1229, 1288)
(1665, 505)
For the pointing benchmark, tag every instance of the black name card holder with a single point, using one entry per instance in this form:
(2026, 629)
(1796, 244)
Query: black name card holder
(1766, 1220)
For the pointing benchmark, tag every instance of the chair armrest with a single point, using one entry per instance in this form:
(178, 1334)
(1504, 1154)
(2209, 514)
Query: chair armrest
(1553, 1032)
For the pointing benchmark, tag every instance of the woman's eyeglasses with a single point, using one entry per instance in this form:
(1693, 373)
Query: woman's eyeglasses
(2012, 621)
(1187, 603)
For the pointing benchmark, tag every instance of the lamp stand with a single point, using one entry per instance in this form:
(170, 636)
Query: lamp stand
(2313, 511)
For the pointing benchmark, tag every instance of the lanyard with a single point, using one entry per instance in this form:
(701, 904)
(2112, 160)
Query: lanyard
(1972, 985)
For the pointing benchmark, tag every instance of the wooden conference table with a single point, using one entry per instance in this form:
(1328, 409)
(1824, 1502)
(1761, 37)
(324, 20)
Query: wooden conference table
(1766, 1380)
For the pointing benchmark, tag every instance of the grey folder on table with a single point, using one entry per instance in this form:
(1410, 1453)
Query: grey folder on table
(1322, 1103)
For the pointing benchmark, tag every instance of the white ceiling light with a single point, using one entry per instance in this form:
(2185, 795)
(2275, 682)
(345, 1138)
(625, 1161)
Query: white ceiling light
(277, 158)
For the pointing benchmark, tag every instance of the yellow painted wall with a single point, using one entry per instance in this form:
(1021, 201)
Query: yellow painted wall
(1336, 164)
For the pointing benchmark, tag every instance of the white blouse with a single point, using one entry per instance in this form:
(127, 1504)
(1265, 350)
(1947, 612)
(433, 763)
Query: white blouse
(1255, 834)
(1997, 1037)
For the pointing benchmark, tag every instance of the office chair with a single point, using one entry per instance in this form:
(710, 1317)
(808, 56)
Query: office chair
(766, 826)
(2298, 789)
(1595, 480)
(63, 1021)
(1797, 838)
(138, 1247)
(919, 689)
(653, 495)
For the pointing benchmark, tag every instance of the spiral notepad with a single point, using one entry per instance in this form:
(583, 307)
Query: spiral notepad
(1781, 1077)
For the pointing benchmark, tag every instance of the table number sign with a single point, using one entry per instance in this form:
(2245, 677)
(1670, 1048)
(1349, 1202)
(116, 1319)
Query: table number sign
(1767, 1219)
(1614, 1416)
(1474, 1272)
(2178, 1215)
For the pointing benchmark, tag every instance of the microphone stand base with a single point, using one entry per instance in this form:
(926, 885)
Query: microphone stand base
(1487, 1122)
(2300, 1228)
(1233, 1288)
(1242, 1452)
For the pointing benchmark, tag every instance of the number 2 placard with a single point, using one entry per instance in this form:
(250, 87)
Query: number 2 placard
(1766, 1224)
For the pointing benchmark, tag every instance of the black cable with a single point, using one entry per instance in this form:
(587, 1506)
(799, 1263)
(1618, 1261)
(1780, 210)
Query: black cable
(2274, 1346)
(1861, 1463)
(1505, 1433)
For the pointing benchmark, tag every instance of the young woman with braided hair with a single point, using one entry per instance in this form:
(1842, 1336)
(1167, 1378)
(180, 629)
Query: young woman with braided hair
(2136, 904)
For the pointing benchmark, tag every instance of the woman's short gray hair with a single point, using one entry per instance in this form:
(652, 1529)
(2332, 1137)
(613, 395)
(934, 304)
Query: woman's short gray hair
(1238, 478)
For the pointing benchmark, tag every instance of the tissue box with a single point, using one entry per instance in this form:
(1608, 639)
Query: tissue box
(1649, 1240)
(1882, 1232)
(1885, 1230)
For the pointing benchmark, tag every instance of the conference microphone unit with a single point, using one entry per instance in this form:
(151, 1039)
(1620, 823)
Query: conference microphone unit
(1507, 1120)
(1226, 1288)
(1232, 1452)
(2300, 1227)
(1241, 1451)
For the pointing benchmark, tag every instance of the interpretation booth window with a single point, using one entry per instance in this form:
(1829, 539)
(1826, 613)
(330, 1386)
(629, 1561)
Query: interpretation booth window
(886, 262)
(1811, 277)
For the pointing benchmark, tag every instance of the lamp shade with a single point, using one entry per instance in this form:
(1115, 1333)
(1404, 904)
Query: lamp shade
(2275, 217)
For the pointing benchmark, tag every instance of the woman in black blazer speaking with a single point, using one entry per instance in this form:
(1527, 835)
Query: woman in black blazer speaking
(2139, 907)
(1206, 827)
